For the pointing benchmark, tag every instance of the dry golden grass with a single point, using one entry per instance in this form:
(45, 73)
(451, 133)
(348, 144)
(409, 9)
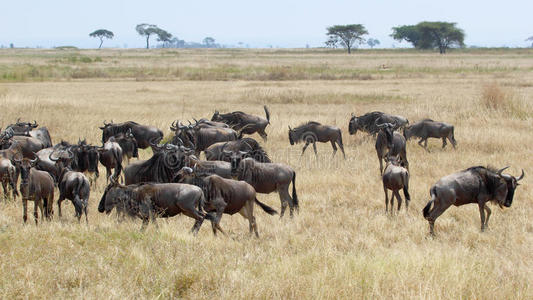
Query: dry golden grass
(342, 244)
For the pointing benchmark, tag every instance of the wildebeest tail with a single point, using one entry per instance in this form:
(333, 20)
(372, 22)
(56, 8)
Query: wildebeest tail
(267, 113)
(269, 210)
(118, 159)
(294, 196)
(101, 205)
(427, 208)
(406, 193)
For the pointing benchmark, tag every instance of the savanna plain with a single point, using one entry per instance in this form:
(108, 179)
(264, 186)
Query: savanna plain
(342, 244)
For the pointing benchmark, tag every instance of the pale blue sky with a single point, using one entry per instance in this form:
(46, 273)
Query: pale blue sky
(259, 24)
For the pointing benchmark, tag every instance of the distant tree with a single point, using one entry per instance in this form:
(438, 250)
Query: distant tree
(530, 39)
(347, 35)
(372, 42)
(209, 42)
(430, 35)
(332, 42)
(443, 35)
(150, 29)
(408, 33)
(101, 34)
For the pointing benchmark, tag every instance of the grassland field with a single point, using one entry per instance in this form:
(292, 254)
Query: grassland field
(341, 244)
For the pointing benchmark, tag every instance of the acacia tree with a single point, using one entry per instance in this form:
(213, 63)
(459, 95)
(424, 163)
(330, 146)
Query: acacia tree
(346, 35)
(101, 34)
(209, 42)
(430, 35)
(150, 29)
(442, 34)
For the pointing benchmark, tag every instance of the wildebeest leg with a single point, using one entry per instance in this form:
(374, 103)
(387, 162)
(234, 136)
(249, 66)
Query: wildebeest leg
(482, 215)
(248, 213)
(399, 199)
(36, 203)
(443, 142)
(380, 157)
(437, 210)
(314, 148)
(145, 222)
(219, 205)
(334, 148)
(24, 210)
(425, 146)
(4, 185)
(85, 204)
(305, 147)
(487, 209)
(285, 199)
(339, 141)
(452, 140)
(392, 203)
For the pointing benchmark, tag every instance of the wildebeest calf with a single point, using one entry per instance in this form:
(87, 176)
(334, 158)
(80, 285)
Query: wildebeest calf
(395, 178)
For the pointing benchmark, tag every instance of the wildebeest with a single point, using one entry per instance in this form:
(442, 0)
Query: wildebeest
(246, 123)
(267, 178)
(85, 159)
(110, 156)
(249, 145)
(226, 196)
(7, 177)
(313, 132)
(128, 144)
(201, 138)
(207, 123)
(428, 128)
(36, 186)
(28, 145)
(390, 143)
(161, 167)
(369, 122)
(72, 185)
(144, 135)
(473, 185)
(150, 200)
(395, 177)
(30, 129)
(220, 168)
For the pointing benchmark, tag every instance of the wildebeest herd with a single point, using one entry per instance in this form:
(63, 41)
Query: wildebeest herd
(236, 168)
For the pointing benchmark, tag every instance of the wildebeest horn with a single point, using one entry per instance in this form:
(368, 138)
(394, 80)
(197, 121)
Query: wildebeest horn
(34, 123)
(290, 128)
(521, 176)
(173, 126)
(501, 170)
(52, 158)
(353, 115)
(180, 141)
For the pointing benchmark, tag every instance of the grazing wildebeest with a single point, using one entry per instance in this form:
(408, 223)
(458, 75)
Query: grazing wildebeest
(220, 168)
(395, 177)
(161, 167)
(144, 135)
(150, 200)
(201, 138)
(473, 185)
(246, 123)
(226, 196)
(72, 185)
(390, 143)
(369, 122)
(128, 144)
(7, 177)
(36, 186)
(110, 156)
(428, 128)
(267, 178)
(313, 132)
(217, 151)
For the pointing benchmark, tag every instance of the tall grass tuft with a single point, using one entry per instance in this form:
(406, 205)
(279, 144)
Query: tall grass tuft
(494, 97)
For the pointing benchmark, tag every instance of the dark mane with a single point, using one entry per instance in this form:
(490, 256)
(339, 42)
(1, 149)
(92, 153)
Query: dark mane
(427, 120)
(488, 175)
(158, 168)
(256, 152)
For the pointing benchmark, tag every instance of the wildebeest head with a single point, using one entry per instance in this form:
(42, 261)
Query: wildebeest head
(216, 117)
(115, 194)
(235, 160)
(93, 157)
(25, 166)
(353, 126)
(6, 136)
(507, 190)
(62, 159)
(22, 127)
(107, 131)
